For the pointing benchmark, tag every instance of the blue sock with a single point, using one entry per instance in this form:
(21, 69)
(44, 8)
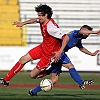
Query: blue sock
(74, 74)
(37, 89)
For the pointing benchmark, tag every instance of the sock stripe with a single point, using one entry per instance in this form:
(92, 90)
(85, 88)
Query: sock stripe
(18, 69)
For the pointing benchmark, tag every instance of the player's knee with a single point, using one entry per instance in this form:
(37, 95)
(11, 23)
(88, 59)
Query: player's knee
(32, 76)
(22, 60)
(69, 65)
(54, 81)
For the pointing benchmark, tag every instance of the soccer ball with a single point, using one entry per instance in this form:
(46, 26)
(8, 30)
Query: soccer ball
(46, 85)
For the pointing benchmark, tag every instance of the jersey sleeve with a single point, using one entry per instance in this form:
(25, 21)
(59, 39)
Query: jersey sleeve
(55, 31)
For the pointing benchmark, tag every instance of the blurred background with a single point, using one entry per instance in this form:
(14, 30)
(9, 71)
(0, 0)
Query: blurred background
(69, 14)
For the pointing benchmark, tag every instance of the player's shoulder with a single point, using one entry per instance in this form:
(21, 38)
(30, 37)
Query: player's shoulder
(75, 32)
(52, 23)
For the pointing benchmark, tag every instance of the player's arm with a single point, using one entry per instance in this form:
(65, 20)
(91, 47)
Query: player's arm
(65, 40)
(20, 24)
(60, 34)
(86, 31)
(84, 50)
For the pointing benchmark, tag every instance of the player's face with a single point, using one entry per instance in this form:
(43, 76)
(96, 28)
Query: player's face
(85, 35)
(43, 18)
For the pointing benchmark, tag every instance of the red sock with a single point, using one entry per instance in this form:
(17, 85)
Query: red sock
(18, 66)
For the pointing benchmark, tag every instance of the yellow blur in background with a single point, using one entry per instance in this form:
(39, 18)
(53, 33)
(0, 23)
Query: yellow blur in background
(9, 34)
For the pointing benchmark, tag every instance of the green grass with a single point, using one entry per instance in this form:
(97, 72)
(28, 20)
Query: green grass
(55, 94)
(7, 93)
(24, 78)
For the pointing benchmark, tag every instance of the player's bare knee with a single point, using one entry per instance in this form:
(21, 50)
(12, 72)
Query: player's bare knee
(23, 60)
(54, 81)
(69, 65)
(32, 76)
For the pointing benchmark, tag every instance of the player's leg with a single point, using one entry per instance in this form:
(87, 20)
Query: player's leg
(73, 73)
(34, 91)
(55, 71)
(32, 54)
(54, 68)
(55, 78)
(16, 68)
(77, 78)
(34, 73)
(44, 73)
(64, 59)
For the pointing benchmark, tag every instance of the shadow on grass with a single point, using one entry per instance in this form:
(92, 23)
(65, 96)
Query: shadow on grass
(11, 96)
(49, 98)
(76, 95)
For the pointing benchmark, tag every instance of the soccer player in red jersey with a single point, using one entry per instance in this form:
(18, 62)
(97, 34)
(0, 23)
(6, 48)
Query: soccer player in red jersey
(46, 50)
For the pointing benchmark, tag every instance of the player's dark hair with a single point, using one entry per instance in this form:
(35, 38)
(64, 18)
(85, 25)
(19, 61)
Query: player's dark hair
(44, 9)
(88, 27)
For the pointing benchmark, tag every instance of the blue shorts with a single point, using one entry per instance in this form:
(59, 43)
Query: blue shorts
(64, 59)
(56, 67)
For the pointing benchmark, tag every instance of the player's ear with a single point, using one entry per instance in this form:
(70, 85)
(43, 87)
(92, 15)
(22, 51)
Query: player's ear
(46, 15)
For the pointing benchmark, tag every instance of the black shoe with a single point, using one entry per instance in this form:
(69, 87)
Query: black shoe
(86, 82)
(82, 86)
(3, 82)
(31, 93)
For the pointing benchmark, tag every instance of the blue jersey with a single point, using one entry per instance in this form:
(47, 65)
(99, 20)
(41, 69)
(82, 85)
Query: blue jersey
(74, 40)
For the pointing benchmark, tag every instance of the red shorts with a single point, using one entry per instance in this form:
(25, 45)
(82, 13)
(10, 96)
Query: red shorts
(37, 53)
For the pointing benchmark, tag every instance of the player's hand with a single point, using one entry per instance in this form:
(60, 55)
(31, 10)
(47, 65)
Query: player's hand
(57, 56)
(97, 32)
(18, 24)
(95, 53)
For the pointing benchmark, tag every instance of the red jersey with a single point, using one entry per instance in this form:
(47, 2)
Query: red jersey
(51, 34)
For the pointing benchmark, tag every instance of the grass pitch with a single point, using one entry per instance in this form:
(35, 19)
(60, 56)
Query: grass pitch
(7, 93)
(55, 94)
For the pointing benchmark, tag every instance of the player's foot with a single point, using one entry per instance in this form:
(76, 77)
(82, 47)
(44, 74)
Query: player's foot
(31, 93)
(44, 73)
(3, 82)
(86, 82)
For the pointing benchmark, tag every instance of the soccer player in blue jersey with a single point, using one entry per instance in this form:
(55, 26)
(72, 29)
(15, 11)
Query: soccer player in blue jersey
(75, 40)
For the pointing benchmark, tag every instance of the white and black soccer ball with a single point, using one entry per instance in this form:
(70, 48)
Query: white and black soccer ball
(46, 85)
